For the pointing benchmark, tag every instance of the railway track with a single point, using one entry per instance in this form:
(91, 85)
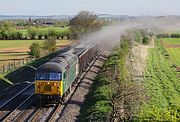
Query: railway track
(10, 117)
(71, 111)
(46, 114)
(54, 115)
(49, 114)
(15, 102)
(15, 96)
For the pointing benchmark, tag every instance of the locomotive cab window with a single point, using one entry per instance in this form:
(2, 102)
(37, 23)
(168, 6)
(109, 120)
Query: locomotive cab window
(48, 76)
(54, 76)
(42, 76)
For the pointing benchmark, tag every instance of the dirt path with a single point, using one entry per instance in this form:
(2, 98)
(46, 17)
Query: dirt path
(138, 58)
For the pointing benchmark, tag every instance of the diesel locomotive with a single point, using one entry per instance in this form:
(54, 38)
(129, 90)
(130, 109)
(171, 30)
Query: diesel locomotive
(55, 78)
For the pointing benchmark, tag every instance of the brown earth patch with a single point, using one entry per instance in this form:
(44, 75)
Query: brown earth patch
(22, 49)
(173, 46)
(178, 69)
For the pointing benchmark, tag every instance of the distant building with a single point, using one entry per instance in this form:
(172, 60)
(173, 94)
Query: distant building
(30, 20)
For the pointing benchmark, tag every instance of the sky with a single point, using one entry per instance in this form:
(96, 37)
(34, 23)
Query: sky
(72, 7)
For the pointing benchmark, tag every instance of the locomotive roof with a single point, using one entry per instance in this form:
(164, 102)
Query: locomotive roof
(51, 67)
(68, 58)
(59, 63)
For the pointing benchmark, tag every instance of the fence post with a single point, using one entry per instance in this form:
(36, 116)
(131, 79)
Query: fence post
(3, 68)
(19, 63)
(9, 66)
(14, 64)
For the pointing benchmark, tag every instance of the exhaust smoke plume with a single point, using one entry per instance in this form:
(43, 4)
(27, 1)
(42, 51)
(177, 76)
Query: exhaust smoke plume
(111, 34)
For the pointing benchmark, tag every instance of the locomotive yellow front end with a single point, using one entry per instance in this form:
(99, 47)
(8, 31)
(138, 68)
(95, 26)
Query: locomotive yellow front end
(48, 87)
(48, 80)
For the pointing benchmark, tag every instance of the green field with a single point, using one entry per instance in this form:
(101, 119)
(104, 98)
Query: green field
(26, 43)
(174, 51)
(162, 87)
(175, 54)
(171, 41)
(13, 55)
(17, 43)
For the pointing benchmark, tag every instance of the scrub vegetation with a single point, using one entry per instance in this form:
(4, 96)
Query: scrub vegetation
(114, 96)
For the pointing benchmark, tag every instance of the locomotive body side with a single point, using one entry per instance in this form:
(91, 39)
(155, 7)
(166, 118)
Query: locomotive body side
(70, 75)
(55, 77)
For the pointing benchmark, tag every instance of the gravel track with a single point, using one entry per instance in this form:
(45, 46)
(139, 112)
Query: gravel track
(42, 114)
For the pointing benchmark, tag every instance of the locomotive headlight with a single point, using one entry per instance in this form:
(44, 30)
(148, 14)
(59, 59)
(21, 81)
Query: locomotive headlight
(48, 83)
(38, 90)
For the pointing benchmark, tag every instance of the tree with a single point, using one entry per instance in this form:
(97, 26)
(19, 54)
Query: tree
(4, 28)
(52, 32)
(32, 32)
(12, 33)
(50, 44)
(83, 23)
(40, 34)
(35, 50)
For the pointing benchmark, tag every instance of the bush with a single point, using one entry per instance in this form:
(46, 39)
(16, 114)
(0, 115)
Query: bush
(35, 50)
(163, 36)
(145, 40)
(50, 44)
